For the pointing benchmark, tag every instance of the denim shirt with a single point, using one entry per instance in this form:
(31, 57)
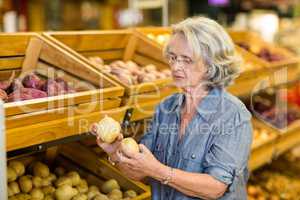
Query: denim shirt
(217, 142)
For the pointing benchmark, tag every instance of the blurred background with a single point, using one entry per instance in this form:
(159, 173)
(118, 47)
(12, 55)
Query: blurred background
(43, 15)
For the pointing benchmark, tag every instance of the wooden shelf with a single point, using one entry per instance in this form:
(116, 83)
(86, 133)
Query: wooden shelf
(274, 147)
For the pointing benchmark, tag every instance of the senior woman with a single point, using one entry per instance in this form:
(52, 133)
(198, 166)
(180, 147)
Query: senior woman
(199, 141)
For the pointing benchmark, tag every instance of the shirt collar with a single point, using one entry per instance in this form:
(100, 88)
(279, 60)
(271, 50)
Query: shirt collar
(208, 106)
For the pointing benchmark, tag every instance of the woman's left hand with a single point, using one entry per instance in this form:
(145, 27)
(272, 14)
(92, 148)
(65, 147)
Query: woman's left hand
(142, 162)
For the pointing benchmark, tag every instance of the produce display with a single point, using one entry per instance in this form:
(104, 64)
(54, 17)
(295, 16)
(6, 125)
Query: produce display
(32, 86)
(262, 52)
(38, 182)
(159, 38)
(261, 135)
(275, 182)
(131, 73)
(266, 107)
(292, 95)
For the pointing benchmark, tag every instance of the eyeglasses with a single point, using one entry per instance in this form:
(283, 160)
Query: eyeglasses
(180, 60)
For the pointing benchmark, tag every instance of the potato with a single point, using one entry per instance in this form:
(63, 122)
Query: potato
(92, 193)
(37, 193)
(80, 197)
(48, 190)
(115, 194)
(150, 68)
(23, 197)
(10, 192)
(46, 182)
(82, 187)
(100, 197)
(49, 197)
(37, 181)
(109, 186)
(52, 177)
(41, 170)
(74, 176)
(129, 145)
(65, 192)
(11, 174)
(125, 78)
(130, 194)
(18, 167)
(108, 129)
(93, 188)
(14, 188)
(25, 184)
(59, 171)
(63, 181)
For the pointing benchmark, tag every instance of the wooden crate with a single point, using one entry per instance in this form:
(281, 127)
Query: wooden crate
(89, 160)
(257, 42)
(103, 171)
(114, 45)
(263, 152)
(32, 121)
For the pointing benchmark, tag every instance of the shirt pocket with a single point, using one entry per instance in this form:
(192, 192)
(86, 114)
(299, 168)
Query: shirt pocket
(191, 161)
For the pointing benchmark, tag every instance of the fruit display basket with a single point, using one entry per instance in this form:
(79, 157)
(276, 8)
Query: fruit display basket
(37, 108)
(59, 177)
(274, 57)
(117, 45)
(263, 146)
(99, 166)
(121, 49)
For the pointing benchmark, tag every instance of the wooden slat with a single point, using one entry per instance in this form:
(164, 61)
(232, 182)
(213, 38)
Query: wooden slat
(93, 40)
(143, 110)
(130, 48)
(49, 71)
(148, 47)
(14, 44)
(5, 74)
(11, 63)
(54, 114)
(149, 96)
(56, 129)
(105, 55)
(155, 30)
(262, 155)
(35, 105)
(31, 55)
(144, 60)
(69, 63)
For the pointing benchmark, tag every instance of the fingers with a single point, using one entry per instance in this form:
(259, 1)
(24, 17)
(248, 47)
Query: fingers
(128, 161)
(120, 137)
(130, 154)
(143, 149)
(94, 129)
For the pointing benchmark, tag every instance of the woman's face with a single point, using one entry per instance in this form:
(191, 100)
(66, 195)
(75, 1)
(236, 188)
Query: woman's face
(186, 71)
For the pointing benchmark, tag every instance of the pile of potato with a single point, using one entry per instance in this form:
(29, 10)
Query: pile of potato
(131, 73)
(37, 183)
(280, 180)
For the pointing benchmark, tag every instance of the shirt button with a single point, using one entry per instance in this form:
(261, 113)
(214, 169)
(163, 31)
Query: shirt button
(193, 156)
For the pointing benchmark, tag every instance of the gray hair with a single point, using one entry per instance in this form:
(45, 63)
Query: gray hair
(210, 42)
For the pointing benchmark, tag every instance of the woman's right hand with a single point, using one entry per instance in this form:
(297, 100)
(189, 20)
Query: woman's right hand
(110, 149)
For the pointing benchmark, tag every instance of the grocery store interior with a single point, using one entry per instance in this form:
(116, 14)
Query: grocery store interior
(66, 53)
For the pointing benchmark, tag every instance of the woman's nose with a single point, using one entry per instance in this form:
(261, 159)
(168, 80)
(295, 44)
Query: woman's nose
(176, 66)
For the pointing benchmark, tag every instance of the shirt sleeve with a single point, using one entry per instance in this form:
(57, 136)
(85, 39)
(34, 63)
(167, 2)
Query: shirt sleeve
(148, 138)
(229, 153)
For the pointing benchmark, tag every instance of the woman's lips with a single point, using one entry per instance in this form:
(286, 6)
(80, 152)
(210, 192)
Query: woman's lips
(178, 76)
